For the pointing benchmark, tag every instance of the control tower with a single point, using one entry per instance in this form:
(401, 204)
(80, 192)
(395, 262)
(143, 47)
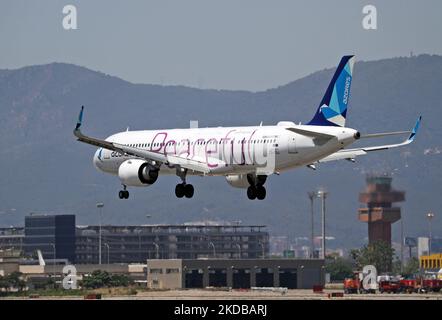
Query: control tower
(380, 213)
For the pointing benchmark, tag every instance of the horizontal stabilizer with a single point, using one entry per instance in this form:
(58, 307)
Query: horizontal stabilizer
(353, 153)
(310, 133)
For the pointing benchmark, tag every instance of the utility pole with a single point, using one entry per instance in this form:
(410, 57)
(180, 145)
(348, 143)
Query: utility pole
(312, 196)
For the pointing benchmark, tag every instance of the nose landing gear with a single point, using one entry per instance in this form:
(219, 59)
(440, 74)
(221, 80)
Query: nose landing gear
(183, 189)
(123, 194)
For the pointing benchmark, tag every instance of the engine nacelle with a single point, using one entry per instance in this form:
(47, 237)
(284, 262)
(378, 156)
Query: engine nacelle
(137, 172)
(238, 180)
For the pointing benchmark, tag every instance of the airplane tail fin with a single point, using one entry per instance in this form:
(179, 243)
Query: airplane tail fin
(332, 110)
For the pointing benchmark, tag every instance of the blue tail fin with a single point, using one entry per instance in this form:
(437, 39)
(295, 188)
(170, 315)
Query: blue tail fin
(333, 108)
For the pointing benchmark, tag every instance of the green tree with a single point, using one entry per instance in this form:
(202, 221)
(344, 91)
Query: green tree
(14, 280)
(339, 268)
(412, 267)
(100, 279)
(3, 283)
(380, 254)
(120, 280)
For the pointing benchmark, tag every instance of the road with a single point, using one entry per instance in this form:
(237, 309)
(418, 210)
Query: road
(199, 294)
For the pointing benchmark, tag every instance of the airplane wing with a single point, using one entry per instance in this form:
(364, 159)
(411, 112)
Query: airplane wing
(351, 154)
(150, 156)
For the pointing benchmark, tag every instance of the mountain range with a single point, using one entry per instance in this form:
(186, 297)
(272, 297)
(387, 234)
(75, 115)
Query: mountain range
(45, 170)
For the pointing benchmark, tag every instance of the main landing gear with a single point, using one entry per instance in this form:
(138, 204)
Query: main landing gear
(256, 189)
(183, 189)
(123, 194)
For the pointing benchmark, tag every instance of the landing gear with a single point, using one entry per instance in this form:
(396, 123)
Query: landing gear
(123, 194)
(256, 192)
(251, 193)
(256, 189)
(183, 189)
(260, 192)
(188, 190)
(179, 190)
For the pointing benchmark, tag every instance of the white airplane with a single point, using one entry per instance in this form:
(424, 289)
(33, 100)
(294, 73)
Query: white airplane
(246, 156)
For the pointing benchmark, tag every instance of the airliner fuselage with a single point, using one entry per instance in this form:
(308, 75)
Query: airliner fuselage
(230, 150)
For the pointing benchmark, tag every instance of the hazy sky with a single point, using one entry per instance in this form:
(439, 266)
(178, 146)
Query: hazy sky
(226, 44)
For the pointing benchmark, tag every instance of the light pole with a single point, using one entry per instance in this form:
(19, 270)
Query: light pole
(402, 245)
(53, 261)
(430, 216)
(107, 246)
(157, 248)
(239, 249)
(138, 232)
(262, 247)
(312, 196)
(148, 216)
(100, 206)
(213, 246)
(323, 194)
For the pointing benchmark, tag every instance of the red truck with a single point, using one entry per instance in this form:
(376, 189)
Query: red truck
(352, 285)
(432, 285)
(408, 285)
(389, 286)
(417, 285)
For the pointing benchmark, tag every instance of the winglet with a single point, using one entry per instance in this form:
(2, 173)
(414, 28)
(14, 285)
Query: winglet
(80, 119)
(414, 131)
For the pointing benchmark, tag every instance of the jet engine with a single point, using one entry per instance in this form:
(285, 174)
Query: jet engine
(137, 172)
(238, 180)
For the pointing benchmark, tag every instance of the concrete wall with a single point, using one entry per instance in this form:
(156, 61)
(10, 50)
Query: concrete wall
(164, 274)
(7, 268)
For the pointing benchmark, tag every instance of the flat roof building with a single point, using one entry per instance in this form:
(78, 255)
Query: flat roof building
(234, 273)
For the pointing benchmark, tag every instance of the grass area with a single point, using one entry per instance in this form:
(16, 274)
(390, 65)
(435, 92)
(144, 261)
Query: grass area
(116, 291)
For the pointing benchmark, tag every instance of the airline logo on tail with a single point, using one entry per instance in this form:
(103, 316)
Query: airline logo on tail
(332, 110)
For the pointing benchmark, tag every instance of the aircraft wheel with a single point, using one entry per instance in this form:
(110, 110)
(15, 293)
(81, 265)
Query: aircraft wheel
(251, 193)
(179, 190)
(260, 192)
(123, 194)
(188, 190)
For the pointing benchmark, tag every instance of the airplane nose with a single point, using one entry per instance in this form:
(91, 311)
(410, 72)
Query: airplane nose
(97, 158)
